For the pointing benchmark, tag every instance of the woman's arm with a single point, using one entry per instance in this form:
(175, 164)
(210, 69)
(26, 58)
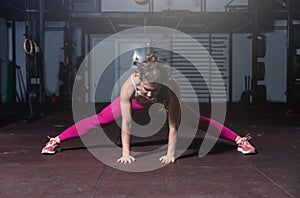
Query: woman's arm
(125, 103)
(174, 121)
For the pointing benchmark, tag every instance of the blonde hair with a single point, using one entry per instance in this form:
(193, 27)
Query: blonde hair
(153, 70)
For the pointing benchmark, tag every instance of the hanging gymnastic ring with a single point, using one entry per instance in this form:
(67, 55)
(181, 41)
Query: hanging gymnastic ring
(30, 52)
(30, 46)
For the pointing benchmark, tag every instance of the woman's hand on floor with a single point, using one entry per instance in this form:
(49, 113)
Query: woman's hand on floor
(167, 159)
(126, 159)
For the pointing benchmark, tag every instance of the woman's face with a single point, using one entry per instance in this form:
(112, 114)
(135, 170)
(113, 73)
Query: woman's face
(149, 90)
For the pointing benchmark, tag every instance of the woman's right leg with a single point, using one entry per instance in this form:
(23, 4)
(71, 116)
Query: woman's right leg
(108, 115)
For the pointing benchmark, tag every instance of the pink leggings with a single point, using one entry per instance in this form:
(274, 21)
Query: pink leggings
(113, 111)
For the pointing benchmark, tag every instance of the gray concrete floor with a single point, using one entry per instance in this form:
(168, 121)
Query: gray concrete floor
(75, 172)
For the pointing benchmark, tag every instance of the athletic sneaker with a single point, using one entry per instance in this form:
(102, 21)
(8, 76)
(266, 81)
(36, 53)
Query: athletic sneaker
(244, 146)
(51, 147)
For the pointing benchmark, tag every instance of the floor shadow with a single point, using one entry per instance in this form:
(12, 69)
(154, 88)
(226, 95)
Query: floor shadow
(152, 145)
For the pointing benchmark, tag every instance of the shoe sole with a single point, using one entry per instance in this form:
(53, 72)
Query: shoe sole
(245, 153)
(50, 152)
(47, 153)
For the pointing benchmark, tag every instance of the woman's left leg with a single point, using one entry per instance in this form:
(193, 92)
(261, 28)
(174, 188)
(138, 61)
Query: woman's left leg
(226, 133)
(243, 145)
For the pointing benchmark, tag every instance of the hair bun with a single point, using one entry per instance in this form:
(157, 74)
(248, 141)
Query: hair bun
(151, 57)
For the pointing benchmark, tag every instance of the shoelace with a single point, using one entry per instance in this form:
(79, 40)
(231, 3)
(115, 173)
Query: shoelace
(51, 142)
(248, 136)
(244, 140)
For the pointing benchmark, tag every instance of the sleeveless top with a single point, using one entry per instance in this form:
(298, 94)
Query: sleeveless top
(136, 91)
(161, 97)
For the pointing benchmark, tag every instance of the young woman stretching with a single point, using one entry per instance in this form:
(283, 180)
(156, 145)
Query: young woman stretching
(140, 91)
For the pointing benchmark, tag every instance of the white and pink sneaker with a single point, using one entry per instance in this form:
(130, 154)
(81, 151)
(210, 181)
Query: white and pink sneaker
(244, 146)
(51, 147)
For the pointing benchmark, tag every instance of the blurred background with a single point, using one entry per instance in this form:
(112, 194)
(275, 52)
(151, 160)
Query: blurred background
(254, 43)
